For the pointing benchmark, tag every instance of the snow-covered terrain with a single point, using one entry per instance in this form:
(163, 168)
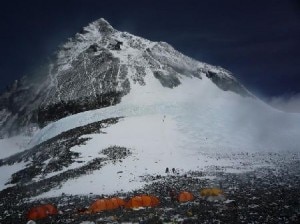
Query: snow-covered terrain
(96, 69)
(175, 128)
(208, 116)
(163, 110)
(10, 146)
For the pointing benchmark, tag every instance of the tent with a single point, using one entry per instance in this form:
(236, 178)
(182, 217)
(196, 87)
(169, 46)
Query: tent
(185, 196)
(206, 192)
(41, 212)
(106, 204)
(142, 201)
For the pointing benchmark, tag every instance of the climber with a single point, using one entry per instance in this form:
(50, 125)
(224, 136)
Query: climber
(167, 170)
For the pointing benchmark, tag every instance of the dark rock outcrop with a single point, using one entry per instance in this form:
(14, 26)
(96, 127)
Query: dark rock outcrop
(227, 83)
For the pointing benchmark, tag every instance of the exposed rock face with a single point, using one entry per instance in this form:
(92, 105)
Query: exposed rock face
(95, 69)
(55, 154)
(225, 83)
(167, 80)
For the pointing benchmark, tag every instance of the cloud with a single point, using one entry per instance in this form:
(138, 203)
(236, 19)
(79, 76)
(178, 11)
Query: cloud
(286, 103)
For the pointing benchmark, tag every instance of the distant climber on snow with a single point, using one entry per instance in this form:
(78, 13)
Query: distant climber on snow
(167, 170)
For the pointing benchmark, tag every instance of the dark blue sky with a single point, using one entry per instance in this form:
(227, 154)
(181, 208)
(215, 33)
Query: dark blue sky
(259, 41)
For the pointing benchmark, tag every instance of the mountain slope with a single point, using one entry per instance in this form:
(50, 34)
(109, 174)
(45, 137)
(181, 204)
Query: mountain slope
(95, 69)
(158, 127)
(115, 110)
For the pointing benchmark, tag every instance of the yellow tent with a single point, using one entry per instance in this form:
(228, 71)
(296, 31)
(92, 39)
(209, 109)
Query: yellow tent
(206, 192)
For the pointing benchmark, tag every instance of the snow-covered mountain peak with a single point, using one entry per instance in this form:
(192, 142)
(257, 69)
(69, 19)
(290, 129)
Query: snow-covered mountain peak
(112, 111)
(96, 68)
(102, 25)
(97, 27)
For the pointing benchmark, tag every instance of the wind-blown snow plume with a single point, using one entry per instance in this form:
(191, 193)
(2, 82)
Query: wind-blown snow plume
(288, 103)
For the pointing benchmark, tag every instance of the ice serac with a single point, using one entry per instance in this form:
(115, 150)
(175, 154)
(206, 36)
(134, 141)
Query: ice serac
(95, 69)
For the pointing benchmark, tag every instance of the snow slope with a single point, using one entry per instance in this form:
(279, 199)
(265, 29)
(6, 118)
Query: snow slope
(182, 128)
(175, 112)
(207, 115)
(95, 69)
(13, 145)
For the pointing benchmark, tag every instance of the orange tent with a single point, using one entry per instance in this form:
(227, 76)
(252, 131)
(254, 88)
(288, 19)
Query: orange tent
(41, 212)
(185, 196)
(206, 192)
(106, 204)
(142, 201)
